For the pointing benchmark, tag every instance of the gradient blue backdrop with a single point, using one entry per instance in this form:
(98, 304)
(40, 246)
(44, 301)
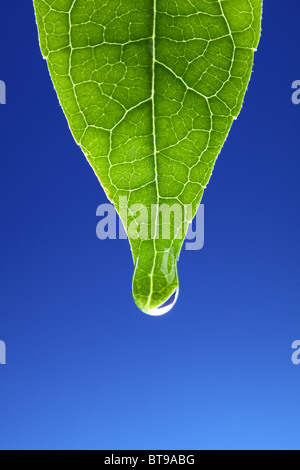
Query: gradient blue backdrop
(85, 369)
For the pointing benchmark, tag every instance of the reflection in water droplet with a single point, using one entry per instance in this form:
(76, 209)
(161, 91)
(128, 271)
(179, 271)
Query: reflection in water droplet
(166, 306)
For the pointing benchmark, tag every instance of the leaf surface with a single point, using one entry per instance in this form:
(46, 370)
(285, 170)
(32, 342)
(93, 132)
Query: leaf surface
(150, 89)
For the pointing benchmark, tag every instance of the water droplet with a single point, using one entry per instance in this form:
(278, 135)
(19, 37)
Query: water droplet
(166, 306)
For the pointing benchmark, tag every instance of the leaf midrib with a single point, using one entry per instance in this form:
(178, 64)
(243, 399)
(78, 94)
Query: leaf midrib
(153, 94)
(154, 140)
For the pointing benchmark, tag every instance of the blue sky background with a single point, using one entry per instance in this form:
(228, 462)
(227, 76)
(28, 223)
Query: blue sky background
(85, 369)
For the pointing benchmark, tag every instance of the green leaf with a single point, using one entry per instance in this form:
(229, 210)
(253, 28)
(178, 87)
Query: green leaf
(150, 89)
